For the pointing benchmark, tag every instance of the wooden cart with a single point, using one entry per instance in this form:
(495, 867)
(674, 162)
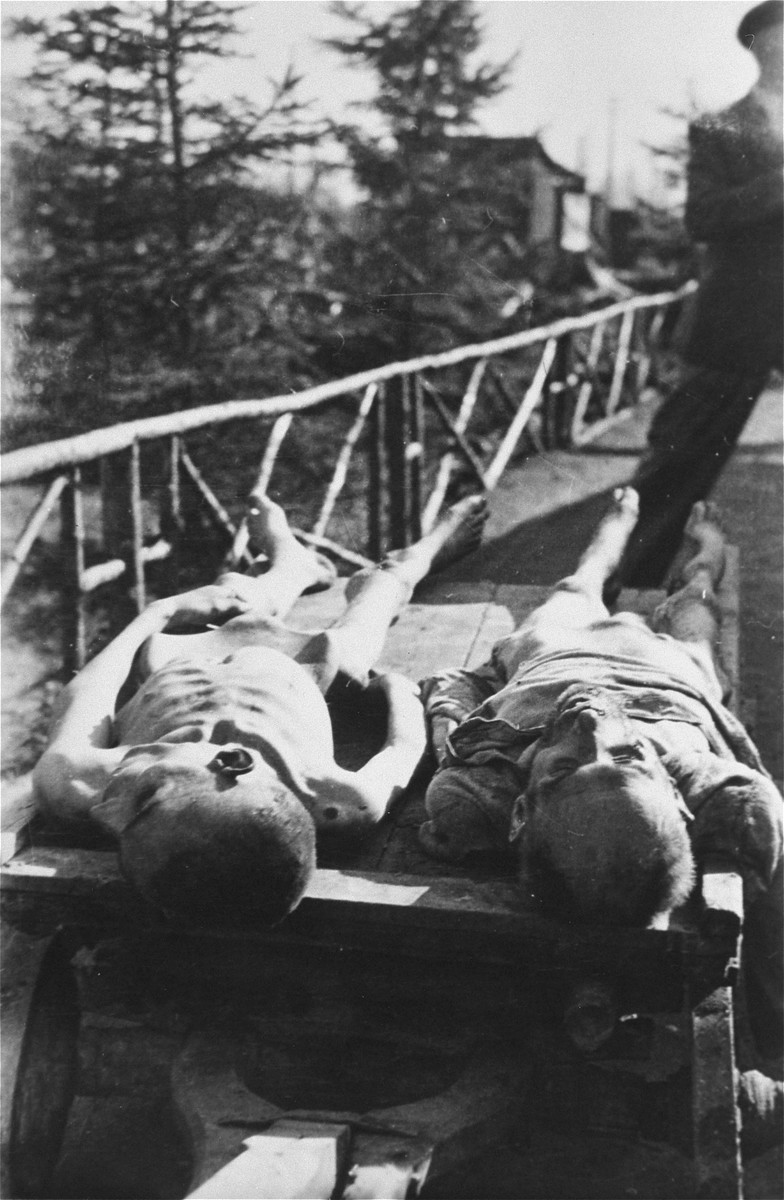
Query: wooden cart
(408, 1029)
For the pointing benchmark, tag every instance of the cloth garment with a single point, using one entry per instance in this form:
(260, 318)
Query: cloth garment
(672, 696)
(735, 207)
(504, 705)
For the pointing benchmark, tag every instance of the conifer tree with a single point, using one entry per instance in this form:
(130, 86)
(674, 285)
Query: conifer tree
(138, 228)
(411, 252)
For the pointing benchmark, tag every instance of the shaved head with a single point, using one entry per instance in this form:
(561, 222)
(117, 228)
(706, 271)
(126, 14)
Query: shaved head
(231, 856)
(609, 847)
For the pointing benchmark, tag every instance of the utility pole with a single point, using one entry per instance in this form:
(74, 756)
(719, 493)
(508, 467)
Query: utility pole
(612, 134)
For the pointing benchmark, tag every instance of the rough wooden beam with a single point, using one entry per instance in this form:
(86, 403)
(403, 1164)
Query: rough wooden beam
(18, 807)
(291, 1161)
(344, 458)
(529, 402)
(715, 1115)
(621, 361)
(30, 533)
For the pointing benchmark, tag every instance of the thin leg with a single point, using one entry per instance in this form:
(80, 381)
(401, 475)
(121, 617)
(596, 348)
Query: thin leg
(603, 556)
(292, 568)
(691, 612)
(576, 601)
(378, 595)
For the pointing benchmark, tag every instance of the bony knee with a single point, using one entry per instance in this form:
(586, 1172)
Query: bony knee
(357, 581)
(572, 584)
(693, 594)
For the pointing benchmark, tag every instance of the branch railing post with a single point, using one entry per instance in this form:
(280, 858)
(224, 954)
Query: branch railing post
(621, 362)
(137, 529)
(74, 632)
(116, 516)
(377, 476)
(415, 459)
(398, 465)
(172, 521)
(654, 333)
(555, 422)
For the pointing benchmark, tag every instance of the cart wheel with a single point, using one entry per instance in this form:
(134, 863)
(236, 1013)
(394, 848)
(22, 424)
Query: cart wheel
(40, 1023)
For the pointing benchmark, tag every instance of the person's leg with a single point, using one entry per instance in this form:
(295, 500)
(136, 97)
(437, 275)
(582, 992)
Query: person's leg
(377, 595)
(292, 568)
(691, 438)
(577, 600)
(691, 612)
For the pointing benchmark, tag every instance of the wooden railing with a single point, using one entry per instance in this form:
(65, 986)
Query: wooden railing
(419, 427)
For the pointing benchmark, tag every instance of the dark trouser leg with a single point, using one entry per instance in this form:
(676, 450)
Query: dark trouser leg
(691, 437)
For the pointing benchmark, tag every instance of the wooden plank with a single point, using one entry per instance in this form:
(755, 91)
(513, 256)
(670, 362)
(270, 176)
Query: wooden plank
(30, 533)
(497, 622)
(426, 640)
(472, 905)
(722, 897)
(429, 636)
(290, 1161)
(19, 806)
(715, 1116)
(397, 1175)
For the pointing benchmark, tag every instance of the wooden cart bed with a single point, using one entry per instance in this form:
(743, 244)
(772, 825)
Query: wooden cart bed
(406, 1018)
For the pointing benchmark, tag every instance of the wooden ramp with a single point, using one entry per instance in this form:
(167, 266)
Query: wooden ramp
(408, 1015)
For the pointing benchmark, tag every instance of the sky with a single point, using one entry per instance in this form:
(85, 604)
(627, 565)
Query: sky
(591, 77)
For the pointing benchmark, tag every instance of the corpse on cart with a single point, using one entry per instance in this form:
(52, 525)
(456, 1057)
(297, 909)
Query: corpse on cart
(449, 982)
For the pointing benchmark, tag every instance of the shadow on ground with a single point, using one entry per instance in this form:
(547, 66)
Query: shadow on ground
(539, 551)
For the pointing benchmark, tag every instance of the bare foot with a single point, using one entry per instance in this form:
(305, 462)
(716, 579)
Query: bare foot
(458, 532)
(626, 501)
(618, 522)
(600, 561)
(703, 548)
(273, 544)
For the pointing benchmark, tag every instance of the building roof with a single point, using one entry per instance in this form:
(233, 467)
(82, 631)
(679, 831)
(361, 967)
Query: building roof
(521, 148)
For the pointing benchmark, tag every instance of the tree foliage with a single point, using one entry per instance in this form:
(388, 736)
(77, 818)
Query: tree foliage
(409, 256)
(157, 258)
